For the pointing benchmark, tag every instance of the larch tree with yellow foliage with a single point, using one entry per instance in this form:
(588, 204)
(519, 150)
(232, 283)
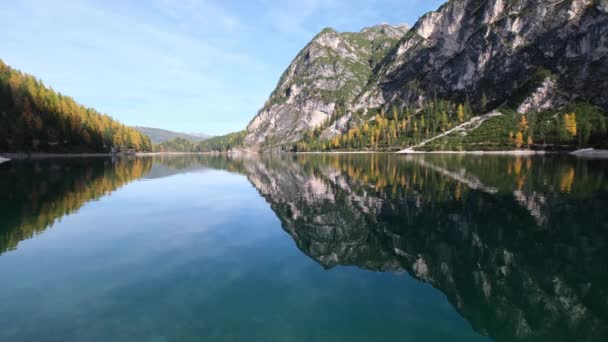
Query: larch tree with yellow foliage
(519, 139)
(523, 124)
(570, 124)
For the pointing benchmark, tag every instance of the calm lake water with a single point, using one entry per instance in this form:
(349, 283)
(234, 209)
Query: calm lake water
(304, 248)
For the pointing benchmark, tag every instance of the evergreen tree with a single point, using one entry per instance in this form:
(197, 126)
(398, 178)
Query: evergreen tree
(39, 119)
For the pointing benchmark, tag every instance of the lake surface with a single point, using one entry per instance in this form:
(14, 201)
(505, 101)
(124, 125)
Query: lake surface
(304, 248)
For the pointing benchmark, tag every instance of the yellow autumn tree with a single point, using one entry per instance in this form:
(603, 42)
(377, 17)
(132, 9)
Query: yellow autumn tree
(519, 139)
(335, 142)
(135, 139)
(570, 124)
(393, 130)
(523, 124)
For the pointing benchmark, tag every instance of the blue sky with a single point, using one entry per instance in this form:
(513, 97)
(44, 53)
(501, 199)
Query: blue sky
(185, 65)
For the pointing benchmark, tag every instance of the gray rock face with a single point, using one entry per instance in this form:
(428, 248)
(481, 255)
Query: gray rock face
(328, 73)
(494, 47)
(546, 96)
(467, 49)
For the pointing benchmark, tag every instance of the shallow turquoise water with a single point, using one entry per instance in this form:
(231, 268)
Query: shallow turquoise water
(304, 248)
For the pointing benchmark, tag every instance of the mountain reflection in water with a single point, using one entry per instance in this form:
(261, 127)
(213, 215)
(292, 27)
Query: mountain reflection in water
(517, 244)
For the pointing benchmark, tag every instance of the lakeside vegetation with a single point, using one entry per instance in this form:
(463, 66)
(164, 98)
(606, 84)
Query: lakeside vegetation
(576, 125)
(215, 144)
(35, 118)
(393, 129)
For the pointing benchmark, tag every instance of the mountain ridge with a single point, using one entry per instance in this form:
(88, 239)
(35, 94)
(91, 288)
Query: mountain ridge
(528, 56)
(159, 135)
(331, 70)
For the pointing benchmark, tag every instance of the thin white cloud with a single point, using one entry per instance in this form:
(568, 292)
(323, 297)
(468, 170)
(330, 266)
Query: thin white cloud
(172, 63)
(291, 16)
(203, 13)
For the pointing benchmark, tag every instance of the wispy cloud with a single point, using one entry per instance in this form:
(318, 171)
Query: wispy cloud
(195, 65)
(291, 16)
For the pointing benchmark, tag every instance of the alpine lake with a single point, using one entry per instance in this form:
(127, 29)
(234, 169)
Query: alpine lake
(304, 247)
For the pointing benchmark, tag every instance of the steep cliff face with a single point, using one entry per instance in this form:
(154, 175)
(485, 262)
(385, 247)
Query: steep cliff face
(486, 52)
(328, 73)
(491, 49)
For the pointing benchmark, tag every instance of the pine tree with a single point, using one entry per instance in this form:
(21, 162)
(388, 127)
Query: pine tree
(445, 122)
(460, 113)
(484, 102)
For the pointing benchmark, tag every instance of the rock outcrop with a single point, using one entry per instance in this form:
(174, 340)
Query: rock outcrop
(489, 52)
(327, 75)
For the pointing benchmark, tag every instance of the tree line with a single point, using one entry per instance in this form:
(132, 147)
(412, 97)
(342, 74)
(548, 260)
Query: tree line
(215, 144)
(577, 125)
(397, 127)
(35, 118)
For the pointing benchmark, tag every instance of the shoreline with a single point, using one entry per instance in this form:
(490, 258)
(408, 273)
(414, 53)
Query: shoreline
(583, 153)
(340, 152)
(406, 152)
(41, 155)
(590, 153)
(151, 154)
(506, 152)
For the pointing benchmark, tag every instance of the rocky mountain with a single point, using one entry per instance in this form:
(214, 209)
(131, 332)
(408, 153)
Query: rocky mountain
(158, 135)
(325, 77)
(528, 55)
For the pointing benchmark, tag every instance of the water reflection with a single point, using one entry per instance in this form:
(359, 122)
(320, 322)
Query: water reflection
(517, 244)
(40, 192)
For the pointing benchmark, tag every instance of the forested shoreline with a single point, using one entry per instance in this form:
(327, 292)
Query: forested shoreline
(35, 118)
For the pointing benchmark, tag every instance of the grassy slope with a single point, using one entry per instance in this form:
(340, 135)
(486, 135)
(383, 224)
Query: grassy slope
(545, 127)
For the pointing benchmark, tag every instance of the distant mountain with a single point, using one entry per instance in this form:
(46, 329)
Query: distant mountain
(158, 135)
(543, 65)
